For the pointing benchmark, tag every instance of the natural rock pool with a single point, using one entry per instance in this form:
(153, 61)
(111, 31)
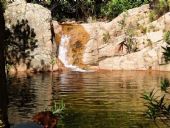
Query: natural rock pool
(93, 99)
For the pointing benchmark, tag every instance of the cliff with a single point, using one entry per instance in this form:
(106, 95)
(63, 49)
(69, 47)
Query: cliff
(129, 42)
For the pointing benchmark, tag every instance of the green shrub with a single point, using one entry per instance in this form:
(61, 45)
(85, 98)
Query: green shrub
(166, 52)
(4, 3)
(82, 9)
(106, 37)
(159, 8)
(114, 7)
(143, 29)
(167, 37)
(122, 22)
(152, 16)
(165, 84)
(157, 106)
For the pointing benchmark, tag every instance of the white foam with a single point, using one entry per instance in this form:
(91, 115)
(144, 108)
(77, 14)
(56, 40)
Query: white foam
(64, 44)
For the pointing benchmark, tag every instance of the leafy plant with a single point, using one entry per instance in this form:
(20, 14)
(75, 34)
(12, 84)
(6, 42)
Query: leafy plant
(156, 105)
(122, 22)
(152, 16)
(143, 29)
(129, 41)
(150, 101)
(114, 7)
(165, 84)
(149, 42)
(131, 44)
(159, 7)
(53, 59)
(106, 37)
(82, 9)
(166, 52)
(167, 37)
(58, 109)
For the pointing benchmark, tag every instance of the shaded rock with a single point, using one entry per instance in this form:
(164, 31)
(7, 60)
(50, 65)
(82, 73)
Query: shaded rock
(37, 20)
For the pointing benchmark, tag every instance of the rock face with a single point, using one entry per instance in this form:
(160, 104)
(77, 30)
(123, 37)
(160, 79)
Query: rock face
(78, 38)
(29, 25)
(129, 42)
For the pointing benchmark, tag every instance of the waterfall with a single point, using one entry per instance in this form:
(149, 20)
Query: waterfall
(64, 44)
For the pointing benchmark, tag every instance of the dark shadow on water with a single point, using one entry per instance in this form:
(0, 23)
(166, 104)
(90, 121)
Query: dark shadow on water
(20, 39)
(3, 105)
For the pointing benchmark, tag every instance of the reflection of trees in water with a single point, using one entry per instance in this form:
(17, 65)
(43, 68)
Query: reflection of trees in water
(28, 94)
(20, 39)
(21, 90)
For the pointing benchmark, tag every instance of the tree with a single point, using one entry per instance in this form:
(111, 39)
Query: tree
(3, 87)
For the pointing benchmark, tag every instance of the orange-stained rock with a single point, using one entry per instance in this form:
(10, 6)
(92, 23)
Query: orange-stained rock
(78, 38)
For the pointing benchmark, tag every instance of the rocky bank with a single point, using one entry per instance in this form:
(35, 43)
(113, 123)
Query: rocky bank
(129, 42)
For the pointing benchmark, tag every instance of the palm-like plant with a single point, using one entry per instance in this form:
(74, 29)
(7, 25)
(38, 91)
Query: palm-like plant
(156, 105)
(165, 84)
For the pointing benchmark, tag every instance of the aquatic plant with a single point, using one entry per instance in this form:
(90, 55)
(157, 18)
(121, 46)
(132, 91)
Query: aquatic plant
(58, 109)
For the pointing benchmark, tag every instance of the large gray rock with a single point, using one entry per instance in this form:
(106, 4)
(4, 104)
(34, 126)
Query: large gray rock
(37, 20)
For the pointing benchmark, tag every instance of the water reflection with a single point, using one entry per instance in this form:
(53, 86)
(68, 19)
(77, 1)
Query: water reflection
(93, 100)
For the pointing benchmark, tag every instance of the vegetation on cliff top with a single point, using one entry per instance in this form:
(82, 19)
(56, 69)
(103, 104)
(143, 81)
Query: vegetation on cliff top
(83, 9)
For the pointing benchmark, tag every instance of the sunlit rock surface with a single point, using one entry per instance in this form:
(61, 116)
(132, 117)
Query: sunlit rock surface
(103, 49)
(78, 37)
(102, 45)
(37, 20)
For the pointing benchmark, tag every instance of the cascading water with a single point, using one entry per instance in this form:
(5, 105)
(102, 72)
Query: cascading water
(63, 54)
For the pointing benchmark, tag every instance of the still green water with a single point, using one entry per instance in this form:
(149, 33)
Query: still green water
(92, 99)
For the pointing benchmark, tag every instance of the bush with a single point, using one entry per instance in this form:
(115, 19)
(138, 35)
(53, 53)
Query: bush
(157, 107)
(114, 7)
(159, 7)
(166, 52)
(152, 16)
(82, 9)
(167, 37)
